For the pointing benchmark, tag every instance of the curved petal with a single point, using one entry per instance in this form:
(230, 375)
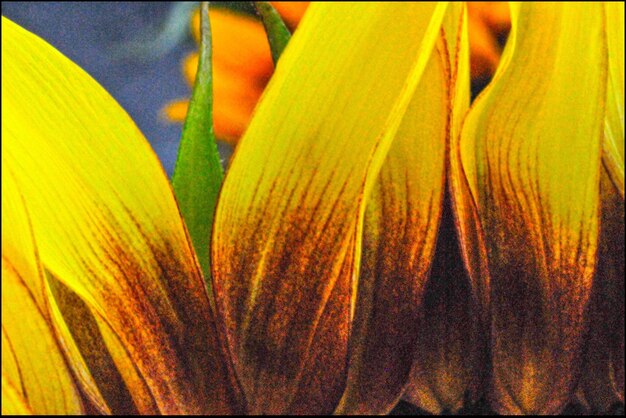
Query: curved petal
(449, 369)
(36, 373)
(109, 379)
(400, 228)
(286, 239)
(530, 148)
(401, 224)
(107, 225)
(450, 355)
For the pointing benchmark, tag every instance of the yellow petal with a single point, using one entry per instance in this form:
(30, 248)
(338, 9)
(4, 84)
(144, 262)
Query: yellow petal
(401, 223)
(614, 127)
(31, 358)
(399, 238)
(107, 225)
(530, 148)
(12, 402)
(286, 238)
(101, 363)
(450, 356)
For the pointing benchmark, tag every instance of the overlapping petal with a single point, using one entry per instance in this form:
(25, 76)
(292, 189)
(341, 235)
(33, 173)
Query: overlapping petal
(451, 359)
(286, 239)
(399, 235)
(602, 383)
(35, 375)
(110, 234)
(530, 151)
(388, 339)
(335, 256)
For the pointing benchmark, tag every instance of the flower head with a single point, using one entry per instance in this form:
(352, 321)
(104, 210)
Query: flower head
(375, 236)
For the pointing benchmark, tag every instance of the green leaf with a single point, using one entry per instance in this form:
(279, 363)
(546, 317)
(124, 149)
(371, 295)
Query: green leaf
(198, 172)
(277, 33)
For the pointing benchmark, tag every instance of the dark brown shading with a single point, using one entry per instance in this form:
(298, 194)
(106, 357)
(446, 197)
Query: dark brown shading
(399, 234)
(303, 341)
(451, 360)
(602, 382)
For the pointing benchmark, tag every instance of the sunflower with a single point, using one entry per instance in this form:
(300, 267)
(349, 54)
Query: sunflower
(375, 237)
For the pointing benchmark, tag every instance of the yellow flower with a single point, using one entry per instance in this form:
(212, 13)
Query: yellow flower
(337, 285)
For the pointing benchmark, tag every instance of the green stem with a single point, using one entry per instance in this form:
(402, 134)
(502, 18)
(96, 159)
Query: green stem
(277, 33)
(198, 172)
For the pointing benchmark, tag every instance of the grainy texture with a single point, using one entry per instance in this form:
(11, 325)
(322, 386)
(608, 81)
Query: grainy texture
(286, 240)
(107, 226)
(533, 174)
